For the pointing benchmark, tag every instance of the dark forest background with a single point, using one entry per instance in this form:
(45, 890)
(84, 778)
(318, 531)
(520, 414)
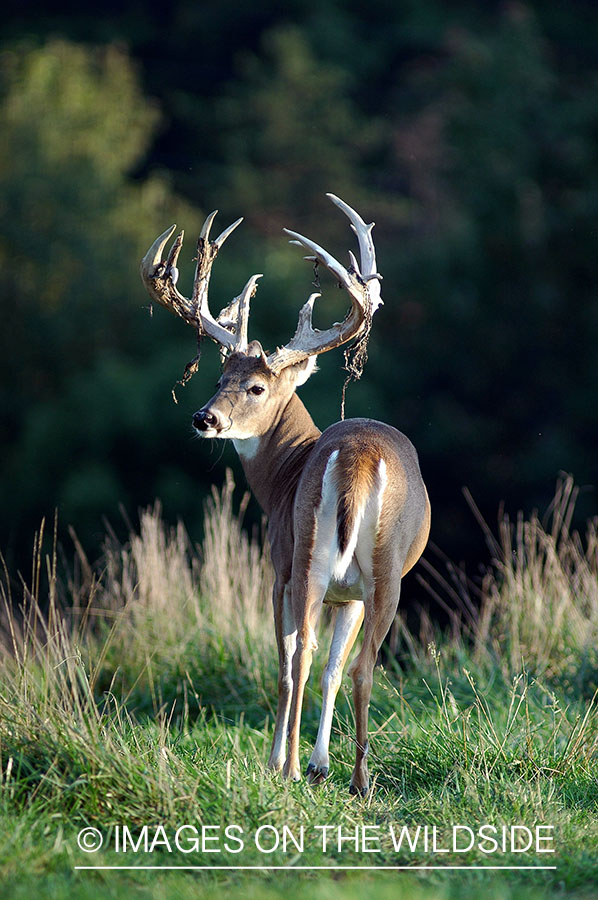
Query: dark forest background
(467, 131)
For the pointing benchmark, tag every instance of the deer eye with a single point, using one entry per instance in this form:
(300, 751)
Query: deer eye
(257, 389)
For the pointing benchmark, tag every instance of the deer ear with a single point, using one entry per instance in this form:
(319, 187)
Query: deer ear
(303, 370)
(255, 349)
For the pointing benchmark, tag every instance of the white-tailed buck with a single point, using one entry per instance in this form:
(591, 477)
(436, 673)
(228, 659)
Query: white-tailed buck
(348, 510)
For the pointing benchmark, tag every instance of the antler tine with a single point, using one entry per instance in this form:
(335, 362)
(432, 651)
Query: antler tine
(154, 254)
(367, 251)
(321, 255)
(207, 225)
(227, 231)
(238, 310)
(173, 256)
(354, 262)
(207, 252)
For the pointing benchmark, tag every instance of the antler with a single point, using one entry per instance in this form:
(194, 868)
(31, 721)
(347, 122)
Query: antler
(160, 276)
(360, 280)
(229, 329)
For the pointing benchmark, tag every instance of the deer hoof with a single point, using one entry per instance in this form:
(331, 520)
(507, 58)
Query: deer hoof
(359, 790)
(291, 773)
(316, 774)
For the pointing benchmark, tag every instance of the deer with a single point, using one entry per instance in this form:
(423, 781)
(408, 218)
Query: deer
(348, 512)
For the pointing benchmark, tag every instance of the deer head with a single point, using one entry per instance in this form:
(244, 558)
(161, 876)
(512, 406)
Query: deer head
(254, 386)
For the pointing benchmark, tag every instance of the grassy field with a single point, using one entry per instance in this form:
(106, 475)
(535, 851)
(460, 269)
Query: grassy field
(137, 699)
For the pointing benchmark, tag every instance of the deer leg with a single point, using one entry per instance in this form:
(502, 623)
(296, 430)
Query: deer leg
(286, 635)
(307, 603)
(348, 621)
(380, 610)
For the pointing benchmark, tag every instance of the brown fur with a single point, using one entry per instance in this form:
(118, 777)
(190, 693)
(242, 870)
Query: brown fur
(357, 468)
(285, 466)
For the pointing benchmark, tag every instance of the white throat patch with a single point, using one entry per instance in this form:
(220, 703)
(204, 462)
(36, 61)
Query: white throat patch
(247, 448)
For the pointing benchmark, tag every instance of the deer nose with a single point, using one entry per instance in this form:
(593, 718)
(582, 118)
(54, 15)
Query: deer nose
(203, 420)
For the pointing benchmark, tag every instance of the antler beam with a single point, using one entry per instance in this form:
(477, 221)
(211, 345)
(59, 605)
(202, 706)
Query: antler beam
(160, 277)
(360, 280)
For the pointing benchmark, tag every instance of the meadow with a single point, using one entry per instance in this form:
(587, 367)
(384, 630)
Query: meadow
(137, 698)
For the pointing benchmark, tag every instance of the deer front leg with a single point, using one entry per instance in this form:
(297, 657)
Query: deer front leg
(286, 639)
(307, 596)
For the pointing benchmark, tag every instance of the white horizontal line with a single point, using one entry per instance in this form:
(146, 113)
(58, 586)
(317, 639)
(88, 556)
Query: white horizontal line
(327, 868)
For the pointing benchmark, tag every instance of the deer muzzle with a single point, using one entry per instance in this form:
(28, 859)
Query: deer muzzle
(204, 420)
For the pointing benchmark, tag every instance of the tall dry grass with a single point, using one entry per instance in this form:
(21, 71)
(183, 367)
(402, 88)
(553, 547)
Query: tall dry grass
(159, 622)
(536, 608)
(163, 624)
(541, 600)
(168, 593)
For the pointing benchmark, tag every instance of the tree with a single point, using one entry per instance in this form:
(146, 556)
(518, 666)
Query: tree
(498, 267)
(73, 222)
(288, 131)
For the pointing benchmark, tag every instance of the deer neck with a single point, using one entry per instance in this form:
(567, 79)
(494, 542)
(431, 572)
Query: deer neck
(274, 461)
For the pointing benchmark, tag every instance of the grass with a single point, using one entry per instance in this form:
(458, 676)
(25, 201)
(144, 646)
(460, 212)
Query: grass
(140, 693)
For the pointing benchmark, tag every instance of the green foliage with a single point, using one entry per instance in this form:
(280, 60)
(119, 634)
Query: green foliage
(66, 106)
(496, 291)
(73, 224)
(74, 124)
(288, 132)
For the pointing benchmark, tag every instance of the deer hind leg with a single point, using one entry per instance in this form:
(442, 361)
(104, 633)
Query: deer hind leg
(348, 621)
(286, 638)
(380, 609)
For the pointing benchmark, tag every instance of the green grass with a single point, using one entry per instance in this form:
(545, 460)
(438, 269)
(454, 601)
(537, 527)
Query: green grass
(143, 696)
